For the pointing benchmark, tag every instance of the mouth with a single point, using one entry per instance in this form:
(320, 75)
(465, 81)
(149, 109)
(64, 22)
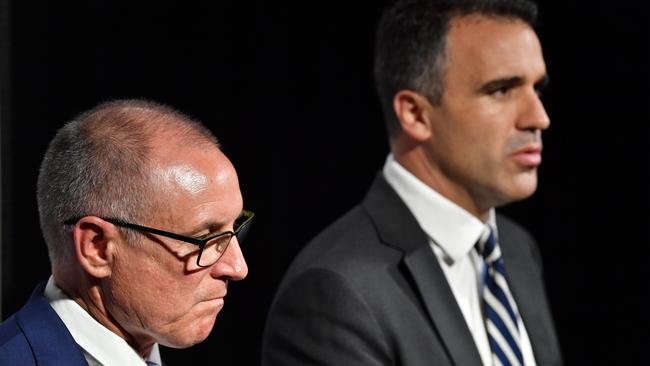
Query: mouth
(217, 302)
(216, 299)
(529, 156)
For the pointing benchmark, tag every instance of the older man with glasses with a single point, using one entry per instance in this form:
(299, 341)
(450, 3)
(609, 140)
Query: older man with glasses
(142, 216)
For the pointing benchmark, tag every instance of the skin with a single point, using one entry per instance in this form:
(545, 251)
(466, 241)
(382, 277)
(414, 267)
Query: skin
(154, 291)
(481, 145)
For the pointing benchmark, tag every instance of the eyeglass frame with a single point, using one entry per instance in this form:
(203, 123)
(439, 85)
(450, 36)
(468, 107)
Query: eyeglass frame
(168, 234)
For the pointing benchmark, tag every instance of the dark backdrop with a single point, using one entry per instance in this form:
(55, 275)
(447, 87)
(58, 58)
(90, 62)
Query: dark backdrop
(288, 91)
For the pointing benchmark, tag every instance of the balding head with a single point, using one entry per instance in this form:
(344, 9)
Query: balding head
(100, 163)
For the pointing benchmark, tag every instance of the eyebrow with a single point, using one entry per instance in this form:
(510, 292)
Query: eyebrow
(211, 225)
(511, 82)
(497, 84)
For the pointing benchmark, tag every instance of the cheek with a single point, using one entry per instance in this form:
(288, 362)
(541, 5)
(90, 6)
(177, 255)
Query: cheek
(172, 293)
(479, 147)
(491, 144)
(490, 125)
(154, 294)
(149, 290)
(130, 279)
(474, 133)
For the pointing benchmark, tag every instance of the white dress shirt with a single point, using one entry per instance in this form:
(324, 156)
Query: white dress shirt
(452, 233)
(99, 345)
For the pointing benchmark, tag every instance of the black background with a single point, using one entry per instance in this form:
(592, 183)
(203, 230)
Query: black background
(288, 90)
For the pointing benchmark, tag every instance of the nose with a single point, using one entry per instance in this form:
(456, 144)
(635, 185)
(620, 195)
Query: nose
(533, 115)
(232, 264)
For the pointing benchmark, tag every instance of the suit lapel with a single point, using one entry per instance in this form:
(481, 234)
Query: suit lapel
(48, 337)
(397, 227)
(524, 282)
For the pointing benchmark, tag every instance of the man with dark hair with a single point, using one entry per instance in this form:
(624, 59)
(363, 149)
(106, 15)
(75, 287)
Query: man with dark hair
(424, 271)
(140, 211)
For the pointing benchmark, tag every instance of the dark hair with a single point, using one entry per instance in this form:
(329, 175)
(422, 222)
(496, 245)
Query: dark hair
(99, 164)
(411, 42)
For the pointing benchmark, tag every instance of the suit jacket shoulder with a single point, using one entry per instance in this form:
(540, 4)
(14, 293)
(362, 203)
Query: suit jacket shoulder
(368, 290)
(354, 296)
(35, 335)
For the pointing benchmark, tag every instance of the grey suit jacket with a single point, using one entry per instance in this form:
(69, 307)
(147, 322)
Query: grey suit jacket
(369, 291)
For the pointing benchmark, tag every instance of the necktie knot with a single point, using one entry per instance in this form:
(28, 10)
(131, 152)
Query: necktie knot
(487, 247)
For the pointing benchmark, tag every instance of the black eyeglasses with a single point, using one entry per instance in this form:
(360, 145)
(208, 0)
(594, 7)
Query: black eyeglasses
(211, 246)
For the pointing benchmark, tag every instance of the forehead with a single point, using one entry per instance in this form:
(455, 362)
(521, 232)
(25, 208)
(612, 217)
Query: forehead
(199, 185)
(493, 47)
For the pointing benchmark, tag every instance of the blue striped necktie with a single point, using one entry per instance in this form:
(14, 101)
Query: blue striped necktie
(498, 306)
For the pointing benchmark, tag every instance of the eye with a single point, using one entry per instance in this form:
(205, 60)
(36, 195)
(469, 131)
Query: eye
(502, 91)
(541, 85)
(502, 88)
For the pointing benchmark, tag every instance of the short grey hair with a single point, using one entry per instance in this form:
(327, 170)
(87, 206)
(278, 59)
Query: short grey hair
(99, 164)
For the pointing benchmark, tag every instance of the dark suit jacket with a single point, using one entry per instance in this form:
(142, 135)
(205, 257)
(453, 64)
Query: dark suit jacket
(35, 335)
(369, 291)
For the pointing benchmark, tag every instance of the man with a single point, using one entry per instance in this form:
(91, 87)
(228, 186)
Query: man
(140, 211)
(423, 272)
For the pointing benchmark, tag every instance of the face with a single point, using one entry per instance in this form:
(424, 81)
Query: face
(156, 292)
(486, 132)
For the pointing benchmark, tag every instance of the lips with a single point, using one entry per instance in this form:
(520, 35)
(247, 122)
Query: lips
(217, 298)
(218, 301)
(529, 156)
(214, 304)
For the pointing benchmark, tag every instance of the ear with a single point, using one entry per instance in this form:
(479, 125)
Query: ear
(414, 112)
(94, 241)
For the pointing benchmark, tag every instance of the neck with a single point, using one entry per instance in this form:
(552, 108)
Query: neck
(88, 294)
(417, 162)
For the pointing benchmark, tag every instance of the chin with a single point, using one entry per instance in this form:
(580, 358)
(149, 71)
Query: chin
(204, 328)
(515, 189)
(186, 341)
(523, 187)
(190, 335)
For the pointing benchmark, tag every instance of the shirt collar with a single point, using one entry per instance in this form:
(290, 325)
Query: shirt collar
(449, 226)
(105, 346)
